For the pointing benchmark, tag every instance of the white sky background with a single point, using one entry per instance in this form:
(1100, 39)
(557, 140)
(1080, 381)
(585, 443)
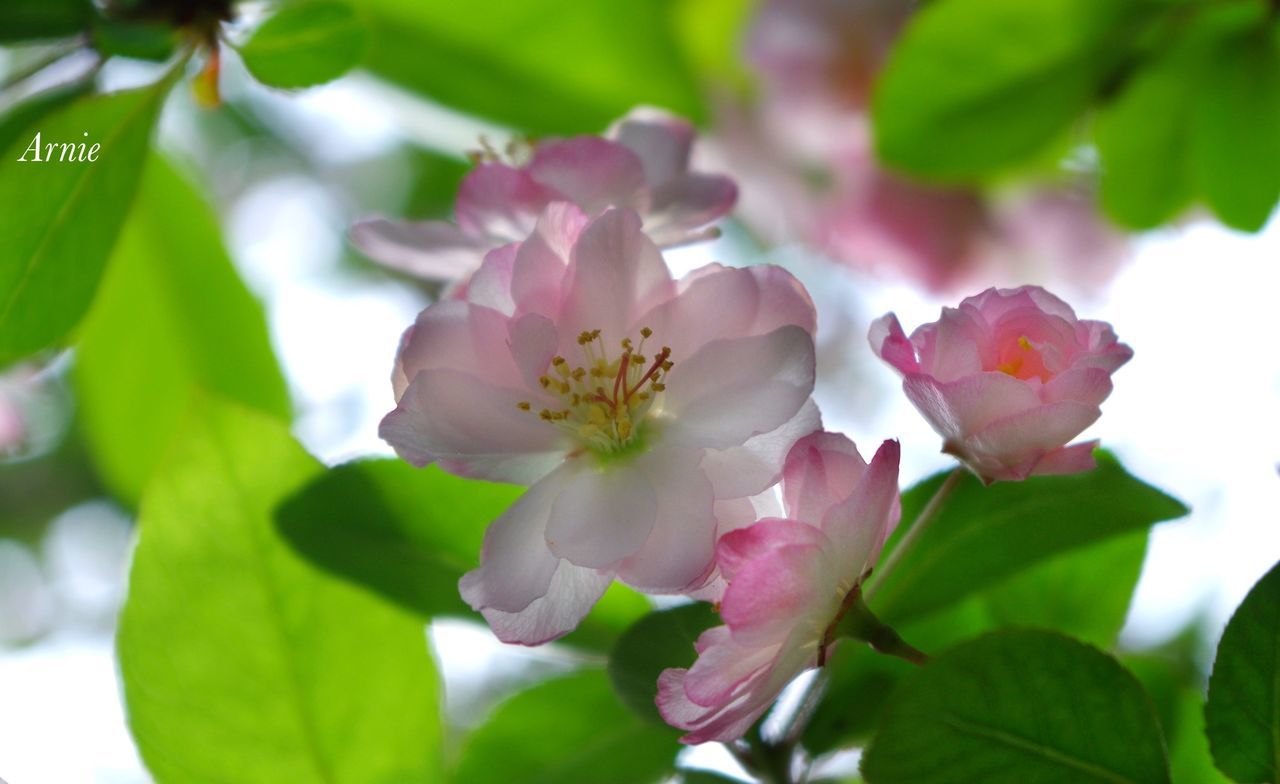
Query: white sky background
(1196, 413)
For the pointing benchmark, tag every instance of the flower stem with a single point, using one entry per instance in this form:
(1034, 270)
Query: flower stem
(862, 624)
(917, 529)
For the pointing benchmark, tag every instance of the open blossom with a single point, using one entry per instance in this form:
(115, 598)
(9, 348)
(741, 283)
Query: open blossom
(643, 164)
(789, 583)
(631, 403)
(1007, 379)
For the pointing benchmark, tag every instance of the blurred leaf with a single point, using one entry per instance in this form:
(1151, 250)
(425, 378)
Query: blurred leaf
(139, 40)
(1189, 755)
(27, 20)
(569, 729)
(540, 66)
(61, 218)
(706, 777)
(984, 534)
(657, 641)
(711, 33)
(1014, 707)
(20, 121)
(1242, 714)
(240, 661)
(976, 85)
(306, 44)
(1235, 136)
(1084, 593)
(171, 316)
(409, 534)
(435, 184)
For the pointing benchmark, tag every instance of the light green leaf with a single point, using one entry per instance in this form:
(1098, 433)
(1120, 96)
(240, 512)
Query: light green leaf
(410, 533)
(546, 66)
(306, 44)
(1235, 136)
(61, 218)
(1014, 707)
(984, 534)
(657, 641)
(977, 85)
(1243, 712)
(569, 729)
(171, 316)
(1084, 593)
(242, 662)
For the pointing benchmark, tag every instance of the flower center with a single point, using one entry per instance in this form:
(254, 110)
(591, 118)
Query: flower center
(603, 402)
(1020, 359)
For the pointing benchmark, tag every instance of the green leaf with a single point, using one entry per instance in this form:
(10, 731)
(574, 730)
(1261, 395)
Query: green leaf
(242, 662)
(20, 122)
(28, 20)
(977, 85)
(544, 67)
(171, 316)
(1084, 593)
(409, 534)
(984, 534)
(565, 730)
(1014, 707)
(1243, 712)
(61, 218)
(1235, 136)
(140, 40)
(306, 44)
(657, 641)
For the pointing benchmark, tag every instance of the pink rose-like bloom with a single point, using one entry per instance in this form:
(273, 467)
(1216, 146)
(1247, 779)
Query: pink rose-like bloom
(1007, 379)
(631, 403)
(790, 581)
(643, 165)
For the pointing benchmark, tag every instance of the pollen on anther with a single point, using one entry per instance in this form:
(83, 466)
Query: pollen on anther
(645, 332)
(523, 405)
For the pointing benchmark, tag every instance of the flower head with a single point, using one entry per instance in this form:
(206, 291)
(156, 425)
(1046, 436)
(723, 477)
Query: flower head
(630, 402)
(789, 583)
(643, 164)
(1007, 379)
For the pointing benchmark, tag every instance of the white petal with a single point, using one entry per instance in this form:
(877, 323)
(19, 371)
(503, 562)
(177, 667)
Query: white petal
(602, 516)
(680, 550)
(574, 590)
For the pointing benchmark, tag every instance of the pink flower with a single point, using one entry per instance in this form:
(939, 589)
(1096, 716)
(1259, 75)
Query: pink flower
(1007, 379)
(631, 403)
(790, 582)
(643, 164)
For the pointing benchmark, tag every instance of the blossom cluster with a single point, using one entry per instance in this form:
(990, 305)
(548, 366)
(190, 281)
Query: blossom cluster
(665, 428)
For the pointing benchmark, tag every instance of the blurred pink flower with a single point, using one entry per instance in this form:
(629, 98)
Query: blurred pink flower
(642, 164)
(13, 429)
(789, 583)
(1007, 379)
(630, 402)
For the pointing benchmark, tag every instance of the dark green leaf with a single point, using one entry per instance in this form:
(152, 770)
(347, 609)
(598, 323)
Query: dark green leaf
(976, 85)
(984, 534)
(1084, 593)
(171, 316)
(21, 121)
(657, 641)
(242, 662)
(139, 40)
(1014, 707)
(306, 44)
(1235, 137)
(551, 66)
(61, 218)
(1243, 713)
(27, 20)
(566, 730)
(410, 533)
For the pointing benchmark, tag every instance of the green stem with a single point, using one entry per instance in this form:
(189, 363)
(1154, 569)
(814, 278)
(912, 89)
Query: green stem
(770, 761)
(860, 623)
(917, 529)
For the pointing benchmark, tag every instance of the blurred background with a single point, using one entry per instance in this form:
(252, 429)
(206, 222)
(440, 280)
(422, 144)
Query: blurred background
(843, 181)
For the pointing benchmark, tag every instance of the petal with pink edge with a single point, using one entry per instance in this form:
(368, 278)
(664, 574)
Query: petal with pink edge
(890, 343)
(461, 336)
(1018, 441)
(454, 416)
(738, 548)
(570, 596)
(434, 250)
(771, 594)
(735, 389)
(602, 516)
(616, 273)
(722, 666)
(662, 143)
(680, 550)
(500, 202)
(592, 172)
(821, 471)
(964, 406)
(859, 526)
(1073, 459)
(757, 464)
